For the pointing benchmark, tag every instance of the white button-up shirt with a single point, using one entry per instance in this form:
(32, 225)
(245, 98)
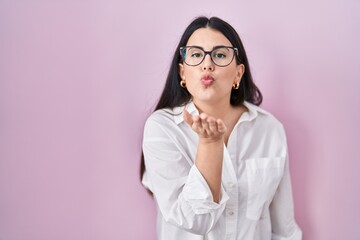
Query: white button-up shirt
(256, 199)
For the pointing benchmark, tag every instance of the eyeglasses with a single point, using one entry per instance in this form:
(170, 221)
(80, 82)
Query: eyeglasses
(221, 56)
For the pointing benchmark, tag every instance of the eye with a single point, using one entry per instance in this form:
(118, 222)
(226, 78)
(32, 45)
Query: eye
(196, 54)
(219, 55)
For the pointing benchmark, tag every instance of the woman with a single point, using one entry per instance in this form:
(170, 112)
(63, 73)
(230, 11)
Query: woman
(216, 163)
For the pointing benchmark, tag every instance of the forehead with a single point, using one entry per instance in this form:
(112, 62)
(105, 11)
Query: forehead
(208, 38)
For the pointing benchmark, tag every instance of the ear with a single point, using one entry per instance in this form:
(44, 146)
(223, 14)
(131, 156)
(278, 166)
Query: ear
(181, 71)
(240, 70)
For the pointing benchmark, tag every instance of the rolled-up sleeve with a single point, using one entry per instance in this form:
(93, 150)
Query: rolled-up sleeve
(181, 192)
(283, 222)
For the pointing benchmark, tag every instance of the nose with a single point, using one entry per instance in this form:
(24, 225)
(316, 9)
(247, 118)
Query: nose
(207, 63)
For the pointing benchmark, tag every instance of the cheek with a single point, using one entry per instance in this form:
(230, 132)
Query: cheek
(191, 76)
(230, 76)
(188, 72)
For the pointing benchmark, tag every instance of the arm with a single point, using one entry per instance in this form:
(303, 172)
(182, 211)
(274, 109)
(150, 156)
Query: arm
(210, 149)
(283, 222)
(183, 196)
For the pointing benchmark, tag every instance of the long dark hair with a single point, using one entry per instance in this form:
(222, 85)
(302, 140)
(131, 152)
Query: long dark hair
(174, 95)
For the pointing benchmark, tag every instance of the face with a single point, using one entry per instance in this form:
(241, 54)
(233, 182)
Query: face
(207, 82)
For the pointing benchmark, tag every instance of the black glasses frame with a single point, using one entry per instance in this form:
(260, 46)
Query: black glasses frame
(210, 54)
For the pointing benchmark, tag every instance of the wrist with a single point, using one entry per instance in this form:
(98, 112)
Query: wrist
(211, 141)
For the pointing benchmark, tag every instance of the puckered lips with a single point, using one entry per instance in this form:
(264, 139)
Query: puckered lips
(207, 80)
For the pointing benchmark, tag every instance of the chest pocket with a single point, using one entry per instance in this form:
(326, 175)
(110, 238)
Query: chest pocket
(263, 175)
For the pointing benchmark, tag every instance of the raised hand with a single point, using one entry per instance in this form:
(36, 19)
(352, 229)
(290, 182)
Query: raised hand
(208, 128)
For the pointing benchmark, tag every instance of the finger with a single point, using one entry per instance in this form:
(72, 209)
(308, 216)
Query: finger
(212, 125)
(187, 117)
(196, 123)
(221, 126)
(203, 116)
(204, 123)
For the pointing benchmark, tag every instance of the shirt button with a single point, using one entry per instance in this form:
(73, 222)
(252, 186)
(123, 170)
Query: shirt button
(231, 213)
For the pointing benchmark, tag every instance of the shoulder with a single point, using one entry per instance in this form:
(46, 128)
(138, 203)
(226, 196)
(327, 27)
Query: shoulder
(161, 116)
(264, 120)
(161, 120)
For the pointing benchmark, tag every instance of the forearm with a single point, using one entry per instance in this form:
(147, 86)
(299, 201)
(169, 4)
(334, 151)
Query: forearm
(209, 160)
(181, 192)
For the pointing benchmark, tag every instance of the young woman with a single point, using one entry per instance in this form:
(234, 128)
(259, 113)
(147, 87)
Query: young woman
(216, 163)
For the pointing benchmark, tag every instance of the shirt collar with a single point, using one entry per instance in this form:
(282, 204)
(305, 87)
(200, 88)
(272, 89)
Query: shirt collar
(253, 112)
(249, 115)
(178, 111)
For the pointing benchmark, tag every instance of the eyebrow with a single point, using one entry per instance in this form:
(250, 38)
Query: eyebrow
(215, 47)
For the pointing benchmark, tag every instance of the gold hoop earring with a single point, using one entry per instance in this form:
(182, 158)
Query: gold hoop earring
(183, 83)
(236, 85)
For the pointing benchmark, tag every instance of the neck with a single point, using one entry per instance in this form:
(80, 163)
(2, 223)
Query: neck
(219, 109)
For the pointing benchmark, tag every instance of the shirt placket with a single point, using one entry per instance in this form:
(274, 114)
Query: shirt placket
(230, 184)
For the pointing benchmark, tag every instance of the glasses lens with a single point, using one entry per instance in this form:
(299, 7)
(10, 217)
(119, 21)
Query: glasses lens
(222, 56)
(192, 55)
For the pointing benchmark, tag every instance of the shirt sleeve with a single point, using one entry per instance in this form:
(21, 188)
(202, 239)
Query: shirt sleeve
(283, 222)
(181, 192)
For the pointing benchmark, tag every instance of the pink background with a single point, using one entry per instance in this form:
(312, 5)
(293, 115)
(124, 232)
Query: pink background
(78, 78)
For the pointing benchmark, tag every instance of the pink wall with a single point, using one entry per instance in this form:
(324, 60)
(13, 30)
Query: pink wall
(78, 78)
